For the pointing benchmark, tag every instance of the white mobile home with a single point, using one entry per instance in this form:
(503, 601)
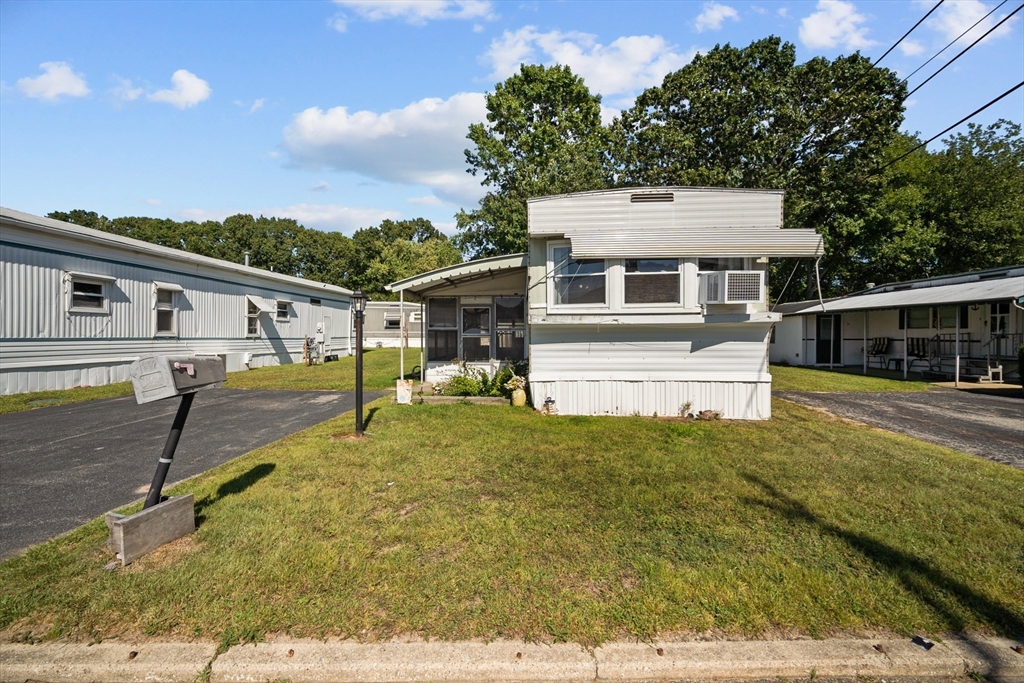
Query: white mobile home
(79, 305)
(967, 325)
(631, 301)
(392, 324)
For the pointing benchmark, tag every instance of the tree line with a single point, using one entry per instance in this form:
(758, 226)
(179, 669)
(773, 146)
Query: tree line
(370, 259)
(825, 131)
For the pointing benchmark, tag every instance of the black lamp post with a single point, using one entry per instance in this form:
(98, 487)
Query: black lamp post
(359, 305)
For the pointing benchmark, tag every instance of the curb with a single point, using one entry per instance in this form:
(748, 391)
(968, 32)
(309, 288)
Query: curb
(338, 661)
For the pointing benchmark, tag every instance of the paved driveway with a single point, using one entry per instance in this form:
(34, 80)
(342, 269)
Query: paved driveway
(62, 466)
(989, 426)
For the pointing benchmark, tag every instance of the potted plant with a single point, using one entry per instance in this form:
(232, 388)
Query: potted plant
(517, 385)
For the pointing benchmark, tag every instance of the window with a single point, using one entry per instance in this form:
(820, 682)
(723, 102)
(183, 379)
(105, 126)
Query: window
(476, 333)
(578, 282)
(944, 317)
(918, 318)
(252, 319)
(706, 264)
(442, 329)
(652, 281)
(165, 313)
(283, 314)
(392, 321)
(510, 325)
(999, 314)
(314, 302)
(87, 293)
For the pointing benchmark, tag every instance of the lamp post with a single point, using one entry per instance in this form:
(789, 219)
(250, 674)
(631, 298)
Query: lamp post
(359, 305)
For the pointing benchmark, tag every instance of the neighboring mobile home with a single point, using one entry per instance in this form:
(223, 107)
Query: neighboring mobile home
(392, 324)
(79, 305)
(631, 301)
(967, 325)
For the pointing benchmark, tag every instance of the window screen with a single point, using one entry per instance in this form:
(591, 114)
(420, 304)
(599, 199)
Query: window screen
(442, 332)
(578, 281)
(510, 328)
(652, 281)
(918, 318)
(87, 295)
(282, 310)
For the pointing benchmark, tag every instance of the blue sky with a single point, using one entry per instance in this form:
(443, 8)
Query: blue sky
(340, 114)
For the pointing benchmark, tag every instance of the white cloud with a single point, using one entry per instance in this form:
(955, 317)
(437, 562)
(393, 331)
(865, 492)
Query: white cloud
(56, 81)
(188, 91)
(154, 202)
(713, 16)
(334, 217)
(419, 12)
(911, 47)
(321, 186)
(628, 64)
(956, 16)
(421, 144)
(124, 91)
(784, 12)
(836, 23)
(338, 22)
(429, 200)
(258, 104)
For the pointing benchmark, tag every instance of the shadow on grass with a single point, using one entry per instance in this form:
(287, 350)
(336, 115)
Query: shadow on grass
(930, 585)
(231, 487)
(369, 417)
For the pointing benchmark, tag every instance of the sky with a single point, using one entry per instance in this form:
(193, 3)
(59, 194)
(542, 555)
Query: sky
(341, 114)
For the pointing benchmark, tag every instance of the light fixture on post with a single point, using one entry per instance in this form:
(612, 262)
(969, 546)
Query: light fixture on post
(359, 306)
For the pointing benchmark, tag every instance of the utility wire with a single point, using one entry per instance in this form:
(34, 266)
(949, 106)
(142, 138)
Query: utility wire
(952, 42)
(947, 64)
(909, 32)
(973, 113)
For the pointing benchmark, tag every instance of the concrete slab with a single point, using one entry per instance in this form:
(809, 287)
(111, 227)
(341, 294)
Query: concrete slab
(65, 465)
(988, 426)
(110, 662)
(308, 661)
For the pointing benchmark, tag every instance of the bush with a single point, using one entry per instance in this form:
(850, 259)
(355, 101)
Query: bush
(461, 385)
(470, 382)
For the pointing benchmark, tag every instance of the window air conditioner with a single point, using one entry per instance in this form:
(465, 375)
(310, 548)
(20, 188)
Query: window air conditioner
(732, 287)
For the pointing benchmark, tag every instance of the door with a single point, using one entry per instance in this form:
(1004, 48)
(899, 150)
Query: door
(328, 333)
(476, 333)
(830, 340)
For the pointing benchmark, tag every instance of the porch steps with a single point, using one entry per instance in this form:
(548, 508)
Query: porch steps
(971, 369)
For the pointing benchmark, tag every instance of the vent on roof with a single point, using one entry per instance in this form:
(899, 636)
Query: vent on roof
(644, 197)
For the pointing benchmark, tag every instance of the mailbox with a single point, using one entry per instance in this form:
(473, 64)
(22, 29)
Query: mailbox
(159, 377)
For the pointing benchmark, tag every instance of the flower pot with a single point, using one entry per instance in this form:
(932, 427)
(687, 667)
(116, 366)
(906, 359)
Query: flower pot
(519, 398)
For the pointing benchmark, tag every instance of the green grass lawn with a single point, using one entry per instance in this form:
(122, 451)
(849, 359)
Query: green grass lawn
(380, 370)
(787, 378)
(459, 521)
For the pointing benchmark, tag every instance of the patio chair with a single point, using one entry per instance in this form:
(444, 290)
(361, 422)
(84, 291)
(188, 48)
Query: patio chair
(878, 348)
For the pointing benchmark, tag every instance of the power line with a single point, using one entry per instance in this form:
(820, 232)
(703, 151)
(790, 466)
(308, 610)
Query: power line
(909, 32)
(952, 42)
(947, 64)
(971, 115)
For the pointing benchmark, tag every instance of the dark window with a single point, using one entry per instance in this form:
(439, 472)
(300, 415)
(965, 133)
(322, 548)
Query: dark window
(314, 302)
(476, 333)
(165, 313)
(652, 281)
(87, 295)
(578, 281)
(282, 310)
(442, 332)
(706, 264)
(918, 318)
(392, 324)
(252, 320)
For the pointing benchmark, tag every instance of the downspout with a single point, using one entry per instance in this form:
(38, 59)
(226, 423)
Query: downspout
(401, 335)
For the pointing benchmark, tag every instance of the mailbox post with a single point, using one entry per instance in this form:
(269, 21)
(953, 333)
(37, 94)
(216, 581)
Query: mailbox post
(159, 377)
(359, 304)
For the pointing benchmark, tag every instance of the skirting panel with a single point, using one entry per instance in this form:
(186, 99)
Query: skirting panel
(734, 400)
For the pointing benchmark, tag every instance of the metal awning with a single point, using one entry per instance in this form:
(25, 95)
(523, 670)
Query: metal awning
(462, 271)
(689, 243)
(977, 292)
(261, 303)
(168, 286)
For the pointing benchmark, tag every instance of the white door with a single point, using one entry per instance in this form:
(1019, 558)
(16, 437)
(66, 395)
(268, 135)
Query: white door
(328, 333)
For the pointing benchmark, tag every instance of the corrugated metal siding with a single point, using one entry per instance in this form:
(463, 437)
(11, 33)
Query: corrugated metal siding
(47, 347)
(691, 208)
(671, 242)
(734, 400)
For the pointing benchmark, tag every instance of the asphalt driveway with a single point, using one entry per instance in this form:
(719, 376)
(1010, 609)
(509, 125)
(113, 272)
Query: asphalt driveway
(62, 466)
(989, 426)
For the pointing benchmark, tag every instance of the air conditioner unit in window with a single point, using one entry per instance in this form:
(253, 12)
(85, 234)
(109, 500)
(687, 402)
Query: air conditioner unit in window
(732, 287)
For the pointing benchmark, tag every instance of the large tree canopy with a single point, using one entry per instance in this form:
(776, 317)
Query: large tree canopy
(752, 117)
(543, 136)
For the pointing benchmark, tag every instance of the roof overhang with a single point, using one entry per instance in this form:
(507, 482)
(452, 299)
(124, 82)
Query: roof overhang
(461, 272)
(689, 243)
(978, 292)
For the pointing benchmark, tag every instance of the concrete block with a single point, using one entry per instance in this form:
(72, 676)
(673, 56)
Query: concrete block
(110, 662)
(133, 536)
(342, 661)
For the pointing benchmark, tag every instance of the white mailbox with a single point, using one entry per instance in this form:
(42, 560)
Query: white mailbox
(158, 377)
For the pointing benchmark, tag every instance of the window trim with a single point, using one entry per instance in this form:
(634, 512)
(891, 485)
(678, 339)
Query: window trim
(287, 310)
(552, 268)
(173, 307)
(104, 281)
(250, 315)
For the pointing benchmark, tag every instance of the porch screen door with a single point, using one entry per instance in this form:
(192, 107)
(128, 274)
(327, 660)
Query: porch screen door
(476, 333)
(830, 340)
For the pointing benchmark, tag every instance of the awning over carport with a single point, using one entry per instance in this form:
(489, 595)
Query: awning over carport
(462, 272)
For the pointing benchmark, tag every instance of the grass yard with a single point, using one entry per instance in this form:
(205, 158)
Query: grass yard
(380, 370)
(788, 378)
(459, 521)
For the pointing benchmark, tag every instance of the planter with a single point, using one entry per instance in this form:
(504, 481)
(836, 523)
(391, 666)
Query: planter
(519, 398)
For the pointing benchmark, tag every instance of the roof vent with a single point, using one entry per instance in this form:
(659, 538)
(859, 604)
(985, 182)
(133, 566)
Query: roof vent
(645, 197)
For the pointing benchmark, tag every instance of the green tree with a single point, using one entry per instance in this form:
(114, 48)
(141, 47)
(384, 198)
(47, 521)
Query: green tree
(383, 254)
(324, 256)
(752, 117)
(543, 136)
